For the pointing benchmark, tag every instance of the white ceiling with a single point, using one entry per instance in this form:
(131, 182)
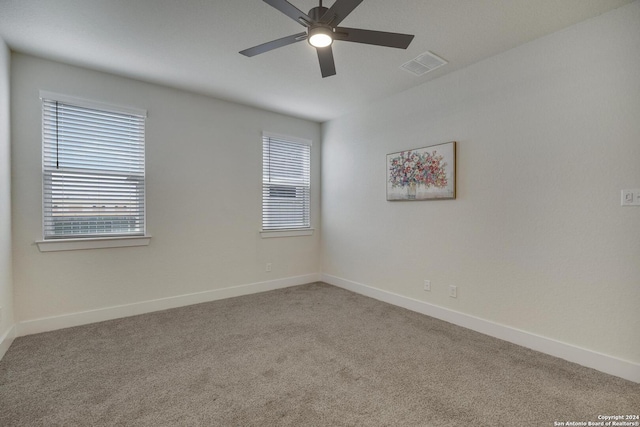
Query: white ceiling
(194, 44)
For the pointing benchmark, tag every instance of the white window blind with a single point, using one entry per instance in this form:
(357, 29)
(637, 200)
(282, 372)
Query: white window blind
(93, 171)
(286, 195)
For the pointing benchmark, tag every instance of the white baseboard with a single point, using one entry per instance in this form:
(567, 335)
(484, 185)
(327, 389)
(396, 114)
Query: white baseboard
(591, 359)
(46, 324)
(6, 340)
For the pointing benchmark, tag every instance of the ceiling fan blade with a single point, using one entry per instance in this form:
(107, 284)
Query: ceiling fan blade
(274, 44)
(327, 65)
(379, 38)
(339, 11)
(291, 11)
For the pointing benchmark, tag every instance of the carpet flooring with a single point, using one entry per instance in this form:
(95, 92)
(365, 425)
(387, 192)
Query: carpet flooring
(311, 355)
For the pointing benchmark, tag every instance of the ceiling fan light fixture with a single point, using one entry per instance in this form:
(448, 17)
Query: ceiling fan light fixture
(320, 36)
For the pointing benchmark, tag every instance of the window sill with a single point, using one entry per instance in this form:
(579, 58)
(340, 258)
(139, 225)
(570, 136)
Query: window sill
(267, 234)
(54, 245)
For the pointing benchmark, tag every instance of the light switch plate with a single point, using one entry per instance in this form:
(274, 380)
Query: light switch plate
(630, 197)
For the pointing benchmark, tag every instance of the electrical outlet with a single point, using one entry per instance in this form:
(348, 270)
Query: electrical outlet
(630, 197)
(453, 291)
(427, 285)
(268, 267)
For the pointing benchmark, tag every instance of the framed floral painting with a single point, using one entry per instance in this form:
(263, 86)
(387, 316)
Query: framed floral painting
(423, 173)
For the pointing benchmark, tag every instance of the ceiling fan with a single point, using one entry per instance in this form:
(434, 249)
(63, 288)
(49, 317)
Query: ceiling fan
(322, 30)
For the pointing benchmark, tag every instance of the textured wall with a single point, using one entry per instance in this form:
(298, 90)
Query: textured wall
(548, 134)
(203, 198)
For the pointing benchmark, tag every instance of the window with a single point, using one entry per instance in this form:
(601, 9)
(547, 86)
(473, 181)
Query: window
(93, 169)
(286, 195)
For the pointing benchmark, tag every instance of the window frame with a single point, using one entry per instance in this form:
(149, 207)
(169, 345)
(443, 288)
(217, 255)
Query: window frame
(291, 231)
(96, 241)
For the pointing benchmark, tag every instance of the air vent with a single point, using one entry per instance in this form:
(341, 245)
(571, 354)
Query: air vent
(423, 64)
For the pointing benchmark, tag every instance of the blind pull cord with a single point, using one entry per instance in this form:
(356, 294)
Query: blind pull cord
(57, 153)
(270, 173)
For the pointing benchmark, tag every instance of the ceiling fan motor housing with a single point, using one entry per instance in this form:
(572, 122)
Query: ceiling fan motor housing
(320, 34)
(317, 12)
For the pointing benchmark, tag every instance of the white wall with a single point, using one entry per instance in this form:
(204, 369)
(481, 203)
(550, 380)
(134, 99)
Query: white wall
(203, 201)
(6, 280)
(548, 134)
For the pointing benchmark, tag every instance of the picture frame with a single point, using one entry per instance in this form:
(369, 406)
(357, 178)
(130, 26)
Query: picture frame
(427, 173)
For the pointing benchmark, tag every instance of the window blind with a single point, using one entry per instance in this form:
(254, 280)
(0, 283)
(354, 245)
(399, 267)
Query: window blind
(286, 195)
(93, 171)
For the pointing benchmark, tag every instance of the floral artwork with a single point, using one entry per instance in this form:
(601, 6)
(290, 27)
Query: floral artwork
(422, 174)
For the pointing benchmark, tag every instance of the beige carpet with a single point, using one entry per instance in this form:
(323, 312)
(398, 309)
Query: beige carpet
(312, 355)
